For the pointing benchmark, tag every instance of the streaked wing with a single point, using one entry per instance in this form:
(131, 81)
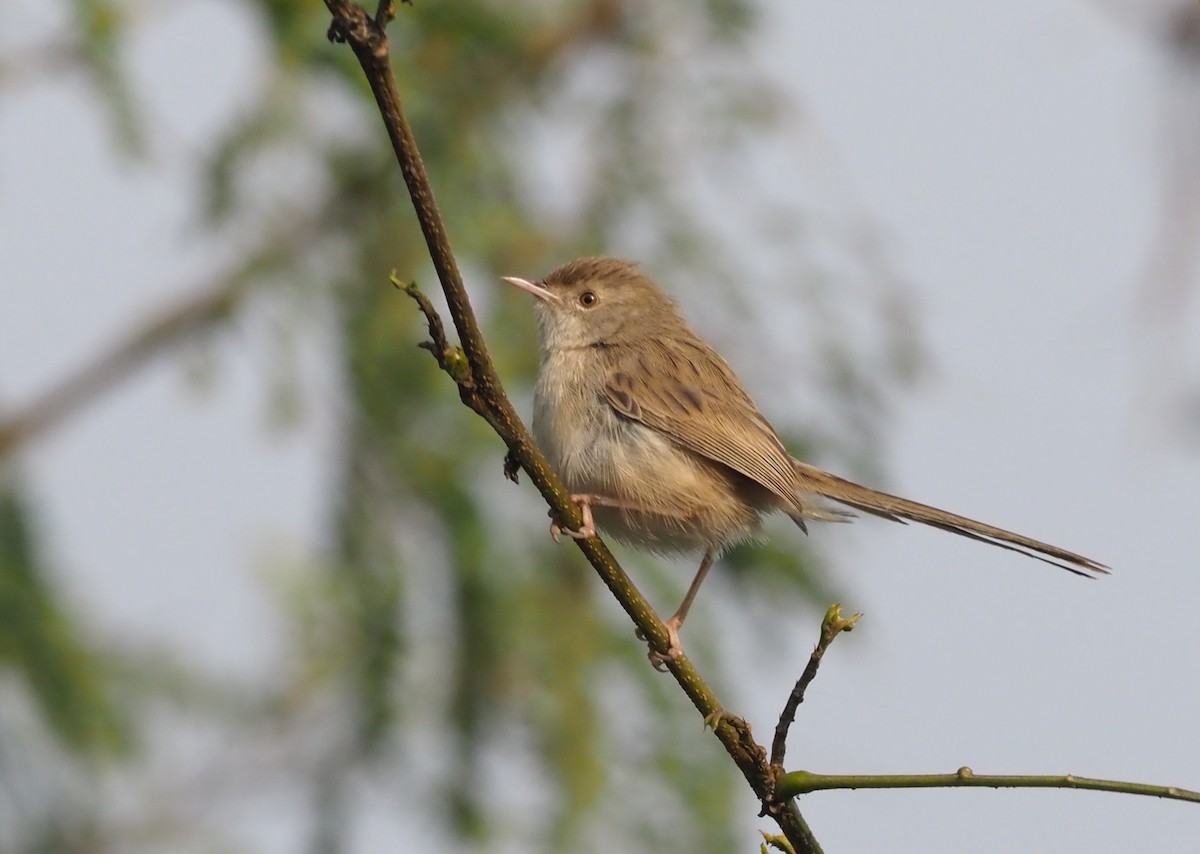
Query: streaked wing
(687, 392)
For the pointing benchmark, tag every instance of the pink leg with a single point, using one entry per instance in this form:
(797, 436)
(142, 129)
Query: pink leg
(675, 622)
(585, 503)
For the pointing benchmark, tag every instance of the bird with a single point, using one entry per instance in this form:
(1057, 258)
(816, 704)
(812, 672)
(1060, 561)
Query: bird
(661, 446)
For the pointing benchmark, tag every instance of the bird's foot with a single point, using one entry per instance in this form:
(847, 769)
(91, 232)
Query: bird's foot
(588, 529)
(660, 660)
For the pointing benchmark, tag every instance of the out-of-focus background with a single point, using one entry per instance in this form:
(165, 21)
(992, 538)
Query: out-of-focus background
(262, 585)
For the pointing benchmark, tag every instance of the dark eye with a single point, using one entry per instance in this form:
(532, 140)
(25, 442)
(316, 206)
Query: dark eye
(587, 299)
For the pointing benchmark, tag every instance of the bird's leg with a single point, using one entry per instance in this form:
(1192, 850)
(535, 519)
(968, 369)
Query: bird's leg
(675, 623)
(585, 502)
(588, 529)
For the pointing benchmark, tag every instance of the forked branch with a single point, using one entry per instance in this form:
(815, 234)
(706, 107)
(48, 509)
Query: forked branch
(480, 388)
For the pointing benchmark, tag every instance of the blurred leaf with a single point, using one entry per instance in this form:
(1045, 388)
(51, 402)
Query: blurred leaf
(40, 640)
(102, 25)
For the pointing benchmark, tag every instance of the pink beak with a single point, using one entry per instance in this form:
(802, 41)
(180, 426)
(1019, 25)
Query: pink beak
(538, 290)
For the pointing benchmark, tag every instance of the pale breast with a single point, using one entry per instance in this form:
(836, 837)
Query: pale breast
(670, 498)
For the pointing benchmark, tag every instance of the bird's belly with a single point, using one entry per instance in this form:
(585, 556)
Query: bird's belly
(667, 498)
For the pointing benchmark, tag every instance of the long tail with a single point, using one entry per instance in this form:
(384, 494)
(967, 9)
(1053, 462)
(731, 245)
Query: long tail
(810, 479)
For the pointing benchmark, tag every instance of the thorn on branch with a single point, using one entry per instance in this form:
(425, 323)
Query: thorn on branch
(512, 466)
(350, 24)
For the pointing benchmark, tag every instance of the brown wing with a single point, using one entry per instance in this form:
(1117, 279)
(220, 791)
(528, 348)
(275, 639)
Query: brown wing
(687, 392)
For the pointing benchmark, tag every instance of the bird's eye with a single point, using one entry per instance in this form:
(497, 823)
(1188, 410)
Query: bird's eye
(587, 299)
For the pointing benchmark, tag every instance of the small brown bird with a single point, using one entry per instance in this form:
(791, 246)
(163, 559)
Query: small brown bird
(661, 446)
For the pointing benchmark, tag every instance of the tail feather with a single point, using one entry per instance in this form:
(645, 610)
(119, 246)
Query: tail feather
(810, 479)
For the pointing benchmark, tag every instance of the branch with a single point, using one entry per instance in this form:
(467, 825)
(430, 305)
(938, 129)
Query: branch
(832, 626)
(23, 65)
(209, 303)
(802, 782)
(480, 389)
(101, 372)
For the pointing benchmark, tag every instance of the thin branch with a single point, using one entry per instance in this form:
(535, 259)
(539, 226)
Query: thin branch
(386, 11)
(803, 782)
(98, 374)
(832, 626)
(208, 303)
(481, 390)
(23, 65)
(450, 359)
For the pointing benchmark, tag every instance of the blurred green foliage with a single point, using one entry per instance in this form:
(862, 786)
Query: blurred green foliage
(443, 645)
(42, 643)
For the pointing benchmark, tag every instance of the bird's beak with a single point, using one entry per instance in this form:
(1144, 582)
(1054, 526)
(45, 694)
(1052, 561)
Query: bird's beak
(538, 290)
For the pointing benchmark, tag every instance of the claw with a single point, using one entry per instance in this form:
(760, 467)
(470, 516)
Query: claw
(659, 660)
(588, 529)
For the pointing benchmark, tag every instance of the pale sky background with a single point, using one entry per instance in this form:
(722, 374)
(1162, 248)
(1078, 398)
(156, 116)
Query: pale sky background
(1012, 152)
